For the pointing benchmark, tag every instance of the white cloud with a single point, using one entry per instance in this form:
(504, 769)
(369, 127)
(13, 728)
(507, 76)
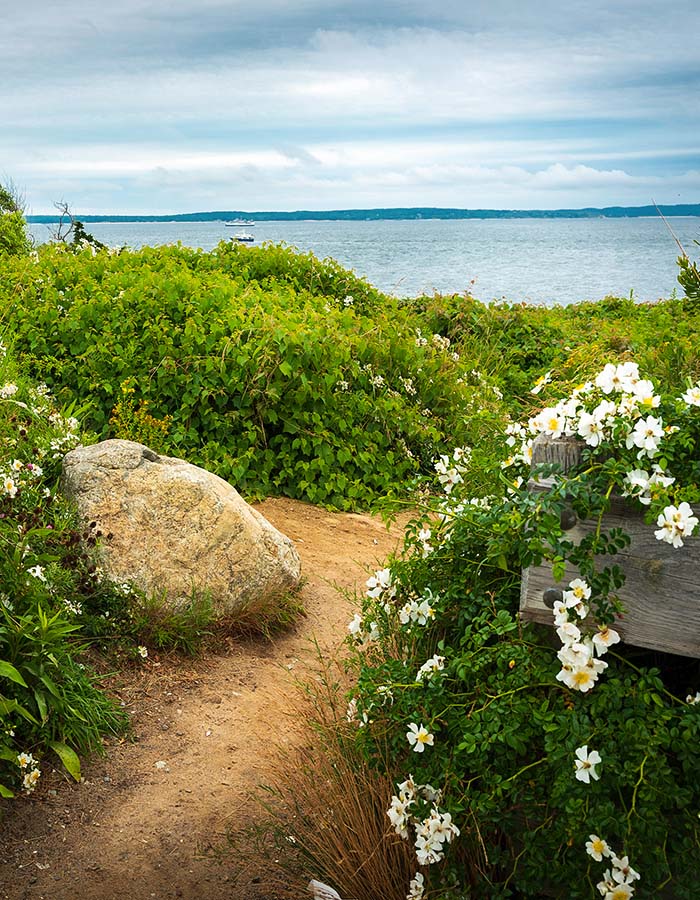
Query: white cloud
(566, 104)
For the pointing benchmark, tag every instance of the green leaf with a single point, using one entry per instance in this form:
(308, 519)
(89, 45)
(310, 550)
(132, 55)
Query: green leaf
(285, 368)
(9, 671)
(41, 704)
(6, 792)
(68, 757)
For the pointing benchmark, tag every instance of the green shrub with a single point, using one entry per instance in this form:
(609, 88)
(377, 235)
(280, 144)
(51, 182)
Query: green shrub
(505, 727)
(14, 238)
(274, 385)
(48, 700)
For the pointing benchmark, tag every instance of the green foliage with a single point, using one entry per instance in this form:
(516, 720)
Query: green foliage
(440, 644)
(14, 238)
(135, 423)
(181, 629)
(689, 280)
(265, 368)
(48, 701)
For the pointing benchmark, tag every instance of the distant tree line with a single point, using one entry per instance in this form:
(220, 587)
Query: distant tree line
(418, 212)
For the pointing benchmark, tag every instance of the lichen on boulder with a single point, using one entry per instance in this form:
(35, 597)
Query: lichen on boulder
(174, 529)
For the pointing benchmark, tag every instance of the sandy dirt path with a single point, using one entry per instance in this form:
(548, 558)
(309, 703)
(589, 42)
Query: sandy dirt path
(149, 814)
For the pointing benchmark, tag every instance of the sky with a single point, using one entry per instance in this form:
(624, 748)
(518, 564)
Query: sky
(172, 106)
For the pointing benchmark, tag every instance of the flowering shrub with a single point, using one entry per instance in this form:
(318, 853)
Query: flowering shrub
(48, 584)
(519, 766)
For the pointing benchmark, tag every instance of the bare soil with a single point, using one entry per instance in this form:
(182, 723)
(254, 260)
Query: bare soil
(150, 818)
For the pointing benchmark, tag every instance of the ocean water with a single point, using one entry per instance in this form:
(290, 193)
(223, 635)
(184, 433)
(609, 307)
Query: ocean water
(534, 260)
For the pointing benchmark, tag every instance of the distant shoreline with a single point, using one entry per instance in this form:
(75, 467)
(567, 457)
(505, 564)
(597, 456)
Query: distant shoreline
(397, 213)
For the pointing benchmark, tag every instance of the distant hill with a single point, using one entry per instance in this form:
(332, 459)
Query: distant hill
(418, 212)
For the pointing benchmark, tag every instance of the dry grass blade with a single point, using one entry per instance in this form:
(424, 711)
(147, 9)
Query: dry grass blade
(328, 806)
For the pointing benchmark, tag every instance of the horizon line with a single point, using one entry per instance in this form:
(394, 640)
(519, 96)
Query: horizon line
(383, 212)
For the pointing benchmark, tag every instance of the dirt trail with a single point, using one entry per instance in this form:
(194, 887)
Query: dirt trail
(143, 823)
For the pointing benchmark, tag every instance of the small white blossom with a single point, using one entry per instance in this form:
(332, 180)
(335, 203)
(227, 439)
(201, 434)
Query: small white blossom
(604, 639)
(8, 390)
(428, 669)
(675, 523)
(418, 737)
(692, 396)
(416, 888)
(540, 383)
(585, 764)
(597, 848)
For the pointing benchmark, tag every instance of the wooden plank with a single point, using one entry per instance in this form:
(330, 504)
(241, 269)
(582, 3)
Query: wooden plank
(661, 593)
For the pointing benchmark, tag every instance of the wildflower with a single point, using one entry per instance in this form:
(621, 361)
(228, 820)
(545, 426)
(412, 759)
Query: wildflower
(604, 639)
(355, 626)
(597, 848)
(622, 871)
(398, 814)
(646, 435)
(8, 390)
(540, 383)
(25, 760)
(574, 597)
(578, 590)
(585, 763)
(72, 606)
(692, 396)
(590, 429)
(351, 712)
(610, 890)
(424, 536)
(424, 612)
(418, 736)
(675, 523)
(380, 582)
(434, 664)
(30, 780)
(577, 654)
(384, 691)
(142, 652)
(448, 475)
(9, 486)
(416, 887)
(640, 483)
(622, 377)
(568, 633)
(348, 301)
(693, 700)
(37, 572)
(342, 386)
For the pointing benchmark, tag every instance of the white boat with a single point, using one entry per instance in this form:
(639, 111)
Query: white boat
(243, 236)
(237, 223)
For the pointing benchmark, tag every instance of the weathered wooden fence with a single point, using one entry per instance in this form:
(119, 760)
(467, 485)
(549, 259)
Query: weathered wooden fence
(661, 593)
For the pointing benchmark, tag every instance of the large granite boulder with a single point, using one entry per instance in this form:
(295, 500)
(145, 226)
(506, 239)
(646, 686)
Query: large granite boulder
(172, 528)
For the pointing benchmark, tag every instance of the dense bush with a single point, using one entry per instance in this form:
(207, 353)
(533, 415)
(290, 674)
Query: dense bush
(49, 593)
(282, 374)
(14, 238)
(521, 771)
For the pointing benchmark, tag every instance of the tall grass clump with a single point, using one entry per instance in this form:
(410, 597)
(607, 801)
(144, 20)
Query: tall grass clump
(325, 816)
